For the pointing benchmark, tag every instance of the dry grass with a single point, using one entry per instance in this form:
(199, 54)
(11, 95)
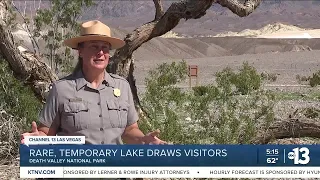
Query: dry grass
(10, 128)
(10, 171)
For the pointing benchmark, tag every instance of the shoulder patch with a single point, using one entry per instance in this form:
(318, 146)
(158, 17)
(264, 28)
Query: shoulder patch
(117, 77)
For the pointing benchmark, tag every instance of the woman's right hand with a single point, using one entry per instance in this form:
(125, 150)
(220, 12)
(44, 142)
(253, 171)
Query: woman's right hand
(34, 132)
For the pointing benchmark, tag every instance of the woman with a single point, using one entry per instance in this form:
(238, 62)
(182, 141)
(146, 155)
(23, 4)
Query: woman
(91, 102)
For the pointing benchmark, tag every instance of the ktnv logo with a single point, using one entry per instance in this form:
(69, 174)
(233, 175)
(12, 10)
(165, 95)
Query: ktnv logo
(299, 155)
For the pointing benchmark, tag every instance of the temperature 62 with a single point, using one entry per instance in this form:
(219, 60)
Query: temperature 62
(272, 160)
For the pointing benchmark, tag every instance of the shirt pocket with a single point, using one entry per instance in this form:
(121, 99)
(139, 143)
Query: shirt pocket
(76, 115)
(118, 113)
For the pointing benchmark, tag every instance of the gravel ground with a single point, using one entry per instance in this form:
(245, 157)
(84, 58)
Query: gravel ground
(284, 108)
(285, 65)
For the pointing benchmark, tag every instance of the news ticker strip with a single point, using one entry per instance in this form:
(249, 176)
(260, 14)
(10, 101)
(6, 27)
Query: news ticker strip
(169, 172)
(169, 155)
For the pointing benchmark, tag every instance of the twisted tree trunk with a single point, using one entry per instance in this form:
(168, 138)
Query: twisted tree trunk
(122, 62)
(26, 66)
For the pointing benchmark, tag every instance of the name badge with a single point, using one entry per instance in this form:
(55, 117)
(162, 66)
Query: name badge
(75, 100)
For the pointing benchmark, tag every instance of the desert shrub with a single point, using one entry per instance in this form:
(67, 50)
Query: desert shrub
(206, 114)
(18, 108)
(269, 77)
(162, 96)
(302, 79)
(9, 136)
(60, 22)
(201, 90)
(315, 79)
(311, 112)
(16, 98)
(247, 79)
(273, 77)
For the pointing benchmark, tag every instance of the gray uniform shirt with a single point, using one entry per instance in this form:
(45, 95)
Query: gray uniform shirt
(74, 108)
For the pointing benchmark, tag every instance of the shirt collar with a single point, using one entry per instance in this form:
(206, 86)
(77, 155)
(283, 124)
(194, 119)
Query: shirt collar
(81, 81)
(108, 80)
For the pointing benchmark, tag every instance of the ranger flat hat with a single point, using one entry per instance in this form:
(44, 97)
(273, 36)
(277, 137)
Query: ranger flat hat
(94, 30)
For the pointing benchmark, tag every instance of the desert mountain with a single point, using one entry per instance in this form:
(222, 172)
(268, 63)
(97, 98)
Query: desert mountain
(217, 20)
(129, 14)
(173, 46)
(268, 29)
(208, 36)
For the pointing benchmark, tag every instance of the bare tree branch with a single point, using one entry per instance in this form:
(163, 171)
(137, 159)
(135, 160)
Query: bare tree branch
(25, 65)
(34, 42)
(159, 9)
(121, 61)
(289, 128)
(185, 9)
(240, 9)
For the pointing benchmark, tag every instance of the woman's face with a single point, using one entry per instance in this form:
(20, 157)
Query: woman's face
(95, 55)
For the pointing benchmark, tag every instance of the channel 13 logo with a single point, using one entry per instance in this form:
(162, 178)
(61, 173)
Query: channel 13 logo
(300, 155)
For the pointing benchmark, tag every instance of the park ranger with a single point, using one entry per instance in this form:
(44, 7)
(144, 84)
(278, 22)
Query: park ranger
(91, 102)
